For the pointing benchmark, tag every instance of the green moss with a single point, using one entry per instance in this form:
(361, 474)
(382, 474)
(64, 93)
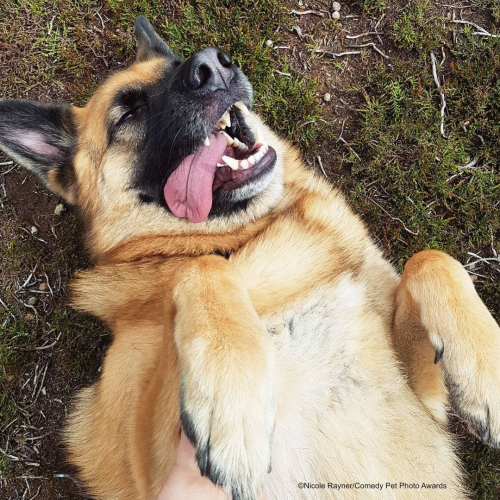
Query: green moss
(407, 167)
(418, 27)
(483, 479)
(372, 6)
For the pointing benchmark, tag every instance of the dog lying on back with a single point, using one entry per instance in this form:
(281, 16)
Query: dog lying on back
(247, 302)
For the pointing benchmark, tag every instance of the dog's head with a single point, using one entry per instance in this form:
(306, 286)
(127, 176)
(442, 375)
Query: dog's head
(165, 146)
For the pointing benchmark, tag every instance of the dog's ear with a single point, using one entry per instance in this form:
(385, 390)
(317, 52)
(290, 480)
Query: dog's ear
(149, 43)
(41, 138)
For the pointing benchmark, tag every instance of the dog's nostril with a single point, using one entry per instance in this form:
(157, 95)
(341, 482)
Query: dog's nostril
(224, 59)
(208, 70)
(201, 76)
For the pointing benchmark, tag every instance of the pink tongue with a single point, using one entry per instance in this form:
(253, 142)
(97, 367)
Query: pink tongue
(188, 191)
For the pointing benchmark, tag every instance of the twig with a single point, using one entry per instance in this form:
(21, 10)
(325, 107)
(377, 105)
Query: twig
(51, 25)
(481, 31)
(44, 347)
(441, 93)
(373, 46)
(391, 216)
(306, 12)
(312, 121)
(36, 438)
(321, 166)
(470, 164)
(486, 260)
(40, 388)
(37, 493)
(455, 6)
(341, 139)
(353, 37)
(98, 12)
(378, 22)
(12, 457)
(28, 278)
(10, 169)
(337, 54)
(281, 73)
(477, 274)
(6, 163)
(48, 284)
(6, 308)
(32, 235)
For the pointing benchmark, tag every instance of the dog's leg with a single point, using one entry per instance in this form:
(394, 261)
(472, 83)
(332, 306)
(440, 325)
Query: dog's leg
(446, 336)
(226, 362)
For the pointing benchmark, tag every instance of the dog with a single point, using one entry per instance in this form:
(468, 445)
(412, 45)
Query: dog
(248, 303)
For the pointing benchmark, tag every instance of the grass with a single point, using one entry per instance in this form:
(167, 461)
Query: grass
(399, 172)
(418, 28)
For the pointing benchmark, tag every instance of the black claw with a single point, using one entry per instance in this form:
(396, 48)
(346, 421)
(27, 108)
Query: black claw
(236, 495)
(485, 435)
(269, 468)
(203, 459)
(485, 429)
(188, 426)
(439, 355)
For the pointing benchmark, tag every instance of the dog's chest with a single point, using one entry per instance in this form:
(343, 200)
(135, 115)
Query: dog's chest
(319, 340)
(324, 384)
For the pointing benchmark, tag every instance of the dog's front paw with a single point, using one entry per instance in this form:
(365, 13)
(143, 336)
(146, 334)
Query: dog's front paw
(473, 377)
(228, 414)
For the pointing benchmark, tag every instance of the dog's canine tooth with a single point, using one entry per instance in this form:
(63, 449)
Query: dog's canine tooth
(206, 142)
(231, 162)
(230, 140)
(242, 107)
(259, 136)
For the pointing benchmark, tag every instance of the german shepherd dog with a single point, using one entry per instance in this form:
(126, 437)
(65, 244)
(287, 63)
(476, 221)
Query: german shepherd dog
(248, 304)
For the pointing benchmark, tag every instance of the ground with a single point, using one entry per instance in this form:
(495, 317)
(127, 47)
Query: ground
(370, 121)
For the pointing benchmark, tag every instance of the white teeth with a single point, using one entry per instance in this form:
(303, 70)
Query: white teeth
(230, 140)
(235, 164)
(231, 162)
(225, 121)
(219, 165)
(239, 145)
(206, 142)
(242, 107)
(259, 136)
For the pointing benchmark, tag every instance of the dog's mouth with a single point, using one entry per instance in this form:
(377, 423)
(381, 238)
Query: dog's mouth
(230, 158)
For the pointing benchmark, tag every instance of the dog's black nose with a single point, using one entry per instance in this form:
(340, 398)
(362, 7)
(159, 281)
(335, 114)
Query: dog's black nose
(208, 70)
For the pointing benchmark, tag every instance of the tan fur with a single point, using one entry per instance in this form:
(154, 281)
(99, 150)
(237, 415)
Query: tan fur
(302, 350)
